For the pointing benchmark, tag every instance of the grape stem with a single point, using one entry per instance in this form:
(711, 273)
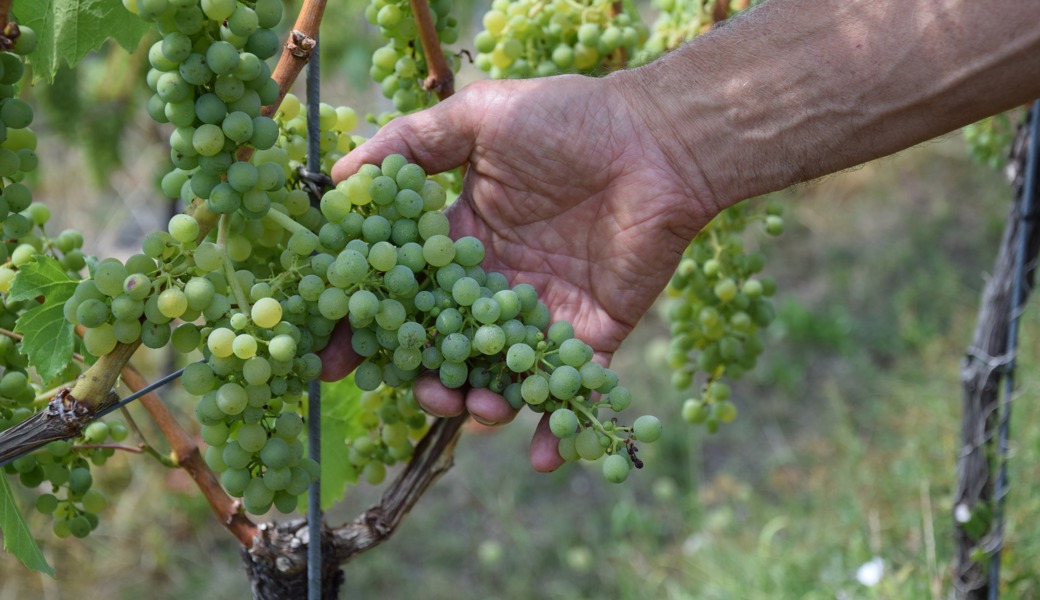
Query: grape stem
(440, 80)
(93, 386)
(284, 221)
(229, 267)
(185, 454)
(131, 449)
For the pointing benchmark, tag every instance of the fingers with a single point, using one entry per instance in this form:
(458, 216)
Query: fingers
(338, 358)
(489, 408)
(436, 399)
(437, 139)
(545, 456)
(485, 406)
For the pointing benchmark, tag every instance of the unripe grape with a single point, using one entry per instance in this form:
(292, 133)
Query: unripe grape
(647, 428)
(616, 468)
(266, 312)
(563, 423)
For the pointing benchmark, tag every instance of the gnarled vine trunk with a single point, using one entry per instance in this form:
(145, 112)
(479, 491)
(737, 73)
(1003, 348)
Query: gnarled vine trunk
(981, 376)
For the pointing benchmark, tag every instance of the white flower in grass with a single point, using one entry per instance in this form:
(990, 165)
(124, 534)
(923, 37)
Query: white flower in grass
(871, 572)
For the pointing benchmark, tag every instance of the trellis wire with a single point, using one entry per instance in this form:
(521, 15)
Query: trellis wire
(314, 514)
(1026, 218)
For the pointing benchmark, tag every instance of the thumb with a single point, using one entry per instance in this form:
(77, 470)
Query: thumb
(437, 139)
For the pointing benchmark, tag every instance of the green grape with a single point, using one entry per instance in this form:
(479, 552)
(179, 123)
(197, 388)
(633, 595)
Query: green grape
(266, 312)
(616, 468)
(210, 109)
(242, 176)
(587, 444)
(535, 389)
(282, 347)
(453, 374)
(221, 341)
(172, 303)
(198, 379)
(563, 423)
(244, 346)
(564, 382)
(232, 399)
(489, 339)
(257, 497)
(16, 113)
(237, 126)
(647, 428)
(208, 139)
(92, 313)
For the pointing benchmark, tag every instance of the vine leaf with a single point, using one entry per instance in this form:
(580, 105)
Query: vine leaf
(17, 539)
(340, 421)
(47, 337)
(68, 30)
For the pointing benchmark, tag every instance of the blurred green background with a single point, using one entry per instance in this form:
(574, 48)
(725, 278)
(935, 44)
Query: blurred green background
(843, 455)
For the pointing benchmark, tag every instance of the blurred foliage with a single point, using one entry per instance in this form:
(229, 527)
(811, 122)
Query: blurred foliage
(989, 140)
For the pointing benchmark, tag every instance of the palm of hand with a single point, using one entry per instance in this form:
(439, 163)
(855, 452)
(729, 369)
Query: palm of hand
(575, 205)
(568, 192)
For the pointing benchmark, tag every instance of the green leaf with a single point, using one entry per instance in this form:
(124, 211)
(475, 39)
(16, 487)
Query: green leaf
(17, 539)
(340, 421)
(68, 30)
(47, 338)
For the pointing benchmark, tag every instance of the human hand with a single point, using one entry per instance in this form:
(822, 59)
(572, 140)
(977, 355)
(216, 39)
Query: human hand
(569, 191)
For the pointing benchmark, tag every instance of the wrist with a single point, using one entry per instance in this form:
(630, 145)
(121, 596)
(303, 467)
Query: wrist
(673, 145)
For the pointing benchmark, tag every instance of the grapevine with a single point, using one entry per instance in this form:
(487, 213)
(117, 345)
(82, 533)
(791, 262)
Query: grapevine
(248, 283)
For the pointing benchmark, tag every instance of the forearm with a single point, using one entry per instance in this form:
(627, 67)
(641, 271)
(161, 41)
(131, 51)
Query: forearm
(797, 89)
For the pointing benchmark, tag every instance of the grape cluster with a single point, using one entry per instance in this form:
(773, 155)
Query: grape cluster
(335, 125)
(65, 466)
(527, 38)
(399, 67)
(718, 310)
(210, 79)
(683, 20)
(417, 301)
(393, 421)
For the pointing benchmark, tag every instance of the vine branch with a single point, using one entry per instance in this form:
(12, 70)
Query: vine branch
(5, 13)
(297, 52)
(187, 456)
(440, 79)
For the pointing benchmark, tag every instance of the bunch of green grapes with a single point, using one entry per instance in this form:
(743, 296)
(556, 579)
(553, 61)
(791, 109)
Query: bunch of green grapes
(527, 38)
(336, 127)
(393, 422)
(719, 308)
(259, 295)
(335, 124)
(419, 301)
(682, 20)
(399, 67)
(65, 466)
(210, 79)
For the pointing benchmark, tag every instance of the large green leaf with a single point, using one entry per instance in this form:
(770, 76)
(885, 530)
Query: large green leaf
(340, 411)
(68, 30)
(47, 337)
(17, 539)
